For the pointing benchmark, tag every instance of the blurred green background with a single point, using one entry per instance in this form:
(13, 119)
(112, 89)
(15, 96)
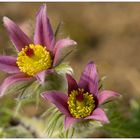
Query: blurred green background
(107, 33)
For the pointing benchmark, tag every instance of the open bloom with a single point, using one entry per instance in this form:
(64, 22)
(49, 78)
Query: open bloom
(35, 58)
(83, 100)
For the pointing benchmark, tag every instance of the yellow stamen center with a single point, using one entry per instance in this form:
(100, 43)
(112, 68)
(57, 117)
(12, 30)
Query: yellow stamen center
(83, 105)
(33, 59)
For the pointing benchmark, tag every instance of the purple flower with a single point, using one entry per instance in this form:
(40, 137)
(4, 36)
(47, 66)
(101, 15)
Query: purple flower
(35, 58)
(83, 100)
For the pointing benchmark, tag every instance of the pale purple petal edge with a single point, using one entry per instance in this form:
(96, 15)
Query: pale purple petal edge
(104, 95)
(11, 80)
(43, 30)
(17, 36)
(98, 115)
(8, 64)
(68, 122)
(89, 78)
(58, 48)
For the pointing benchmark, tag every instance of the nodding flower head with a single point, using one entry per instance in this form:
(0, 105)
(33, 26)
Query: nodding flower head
(83, 100)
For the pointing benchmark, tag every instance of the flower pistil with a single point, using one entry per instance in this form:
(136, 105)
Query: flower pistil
(33, 59)
(80, 103)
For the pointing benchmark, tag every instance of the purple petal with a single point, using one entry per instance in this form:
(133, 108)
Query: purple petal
(41, 75)
(89, 78)
(105, 95)
(72, 84)
(59, 99)
(17, 36)
(43, 30)
(60, 45)
(50, 71)
(11, 80)
(98, 115)
(68, 121)
(8, 64)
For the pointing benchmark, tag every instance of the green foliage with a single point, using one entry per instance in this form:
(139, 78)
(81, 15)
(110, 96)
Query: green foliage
(64, 68)
(53, 117)
(124, 121)
(55, 124)
(17, 132)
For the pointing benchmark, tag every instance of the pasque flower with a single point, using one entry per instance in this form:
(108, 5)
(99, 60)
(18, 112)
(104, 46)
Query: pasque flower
(84, 100)
(35, 58)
